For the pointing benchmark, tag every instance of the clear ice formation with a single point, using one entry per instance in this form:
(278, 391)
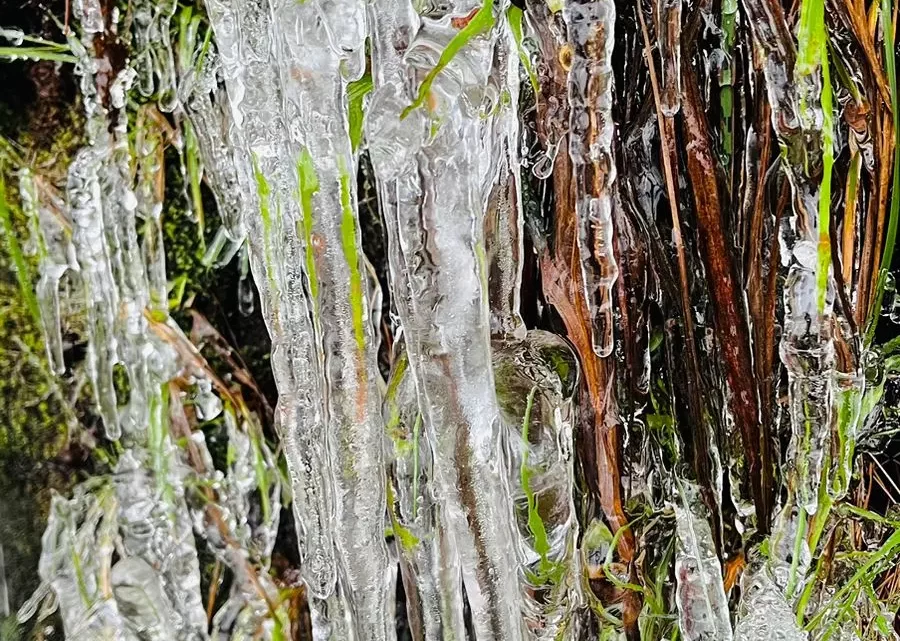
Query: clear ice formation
(209, 116)
(536, 379)
(465, 456)
(668, 30)
(802, 120)
(429, 565)
(157, 535)
(503, 228)
(52, 232)
(104, 211)
(288, 67)
(154, 59)
(322, 49)
(152, 592)
(269, 218)
(76, 559)
(435, 221)
(763, 613)
(699, 592)
(591, 26)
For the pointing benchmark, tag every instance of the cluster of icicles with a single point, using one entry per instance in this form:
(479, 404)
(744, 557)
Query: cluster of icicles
(465, 455)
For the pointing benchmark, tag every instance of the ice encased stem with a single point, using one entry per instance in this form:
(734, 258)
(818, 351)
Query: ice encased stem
(288, 93)
(437, 256)
(800, 95)
(244, 37)
(429, 563)
(591, 27)
(536, 380)
(320, 48)
(668, 36)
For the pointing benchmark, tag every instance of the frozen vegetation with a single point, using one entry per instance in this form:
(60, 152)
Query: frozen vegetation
(579, 316)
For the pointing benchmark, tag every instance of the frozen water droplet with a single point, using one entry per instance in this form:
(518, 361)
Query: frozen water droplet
(246, 295)
(207, 403)
(15, 36)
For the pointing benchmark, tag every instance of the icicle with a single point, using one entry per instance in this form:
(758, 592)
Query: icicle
(252, 470)
(445, 317)
(429, 567)
(668, 36)
(536, 376)
(155, 58)
(149, 182)
(242, 536)
(700, 595)
(83, 192)
(103, 209)
(319, 50)
(789, 554)
(591, 26)
(207, 404)
(270, 215)
(763, 613)
(809, 360)
(140, 598)
(330, 618)
(56, 255)
(212, 123)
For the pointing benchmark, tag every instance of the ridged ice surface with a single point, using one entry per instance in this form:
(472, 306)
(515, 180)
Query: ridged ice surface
(211, 118)
(157, 535)
(436, 256)
(764, 614)
(104, 212)
(668, 30)
(591, 27)
(699, 592)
